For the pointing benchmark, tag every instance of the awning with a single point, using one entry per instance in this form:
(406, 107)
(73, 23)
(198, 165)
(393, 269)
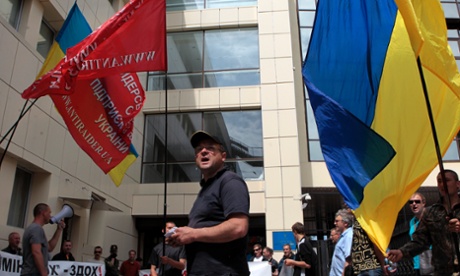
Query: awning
(91, 203)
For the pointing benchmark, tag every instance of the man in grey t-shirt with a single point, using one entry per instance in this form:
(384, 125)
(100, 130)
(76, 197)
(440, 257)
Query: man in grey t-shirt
(34, 243)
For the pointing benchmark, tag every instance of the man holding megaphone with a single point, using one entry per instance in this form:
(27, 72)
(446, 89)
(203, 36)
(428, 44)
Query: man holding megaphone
(35, 246)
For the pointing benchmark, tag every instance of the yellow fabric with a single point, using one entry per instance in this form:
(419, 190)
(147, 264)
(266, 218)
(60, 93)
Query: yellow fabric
(407, 11)
(402, 118)
(54, 57)
(117, 173)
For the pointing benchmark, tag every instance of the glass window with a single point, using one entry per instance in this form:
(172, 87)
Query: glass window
(307, 4)
(241, 132)
(19, 198)
(231, 49)
(454, 47)
(305, 34)
(452, 34)
(45, 39)
(450, 10)
(306, 18)
(214, 58)
(453, 151)
(232, 78)
(229, 3)
(179, 5)
(11, 11)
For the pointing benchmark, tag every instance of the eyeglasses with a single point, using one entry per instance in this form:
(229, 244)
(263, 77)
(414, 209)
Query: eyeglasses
(337, 220)
(208, 148)
(97, 252)
(415, 201)
(257, 249)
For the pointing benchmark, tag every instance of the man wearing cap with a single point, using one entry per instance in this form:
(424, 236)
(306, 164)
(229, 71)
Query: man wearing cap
(215, 238)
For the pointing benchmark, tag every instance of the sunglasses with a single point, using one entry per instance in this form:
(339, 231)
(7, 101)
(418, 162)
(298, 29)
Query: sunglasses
(97, 252)
(415, 201)
(256, 249)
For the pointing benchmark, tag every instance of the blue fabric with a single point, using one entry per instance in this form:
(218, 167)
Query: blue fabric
(341, 251)
(413, 226)
(372, 272)
(74, 30)
(343, 89)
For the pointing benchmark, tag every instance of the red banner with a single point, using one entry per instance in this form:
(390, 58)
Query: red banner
(132, 40)
(100, 116)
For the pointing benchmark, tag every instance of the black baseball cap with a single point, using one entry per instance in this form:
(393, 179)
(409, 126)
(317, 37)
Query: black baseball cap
(201, 135)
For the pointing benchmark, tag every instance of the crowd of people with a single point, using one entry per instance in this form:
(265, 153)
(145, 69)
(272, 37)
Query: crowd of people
(215, 240)
(36, 249)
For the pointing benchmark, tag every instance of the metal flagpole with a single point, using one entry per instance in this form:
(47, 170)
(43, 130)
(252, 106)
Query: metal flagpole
(23, 113)
(13, 128)
(454, 236)
(165, 191)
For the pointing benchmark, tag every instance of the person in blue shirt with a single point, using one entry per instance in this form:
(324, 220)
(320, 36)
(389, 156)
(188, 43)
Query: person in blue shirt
(343, 222)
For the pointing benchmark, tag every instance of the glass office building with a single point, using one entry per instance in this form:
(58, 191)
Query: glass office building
(234, 69)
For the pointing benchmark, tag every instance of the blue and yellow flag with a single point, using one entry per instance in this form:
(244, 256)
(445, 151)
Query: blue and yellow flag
(74, 30)
(366, 93)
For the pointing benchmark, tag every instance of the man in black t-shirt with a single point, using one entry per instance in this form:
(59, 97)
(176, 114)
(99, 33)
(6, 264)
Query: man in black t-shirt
(306, 261)
(14, 240)
(216, 236)
(173, 258)
(65, 254)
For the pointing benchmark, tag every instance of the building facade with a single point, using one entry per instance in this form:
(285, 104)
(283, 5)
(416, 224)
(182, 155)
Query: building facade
(234, 69)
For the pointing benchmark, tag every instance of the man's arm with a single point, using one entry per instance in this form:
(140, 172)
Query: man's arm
(306, 256)
(176, 264)
(53, 241)
(381, 259)
(235, 227)
(38, 258)
(291, 262)
(153, 270)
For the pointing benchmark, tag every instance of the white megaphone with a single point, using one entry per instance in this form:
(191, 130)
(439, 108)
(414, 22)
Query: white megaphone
(66, 212)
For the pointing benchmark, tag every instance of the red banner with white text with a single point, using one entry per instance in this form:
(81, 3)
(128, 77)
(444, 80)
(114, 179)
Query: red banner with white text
(133, 40)
(100, 116)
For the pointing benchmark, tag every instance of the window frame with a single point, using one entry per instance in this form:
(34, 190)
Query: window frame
(20, 189)
(234, 145)
(39, 47)
(197, 75)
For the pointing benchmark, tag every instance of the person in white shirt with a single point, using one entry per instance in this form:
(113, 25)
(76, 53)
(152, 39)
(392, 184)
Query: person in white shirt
(258, 257)
(97, 256)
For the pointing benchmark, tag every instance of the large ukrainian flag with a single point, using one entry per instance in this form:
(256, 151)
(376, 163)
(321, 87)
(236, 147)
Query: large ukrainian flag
(366, 92)
(74, 30)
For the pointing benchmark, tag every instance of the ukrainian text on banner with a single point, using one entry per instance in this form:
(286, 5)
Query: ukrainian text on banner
(11, 266)
(133, 40)
(100, 114)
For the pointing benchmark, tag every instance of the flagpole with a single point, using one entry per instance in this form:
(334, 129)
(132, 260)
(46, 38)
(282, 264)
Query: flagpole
(454, 236)
(23, 113)
(13, 128)
(165, 206)
(165, 192)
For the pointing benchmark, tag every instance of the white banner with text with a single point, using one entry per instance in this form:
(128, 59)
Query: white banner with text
(10, 265)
